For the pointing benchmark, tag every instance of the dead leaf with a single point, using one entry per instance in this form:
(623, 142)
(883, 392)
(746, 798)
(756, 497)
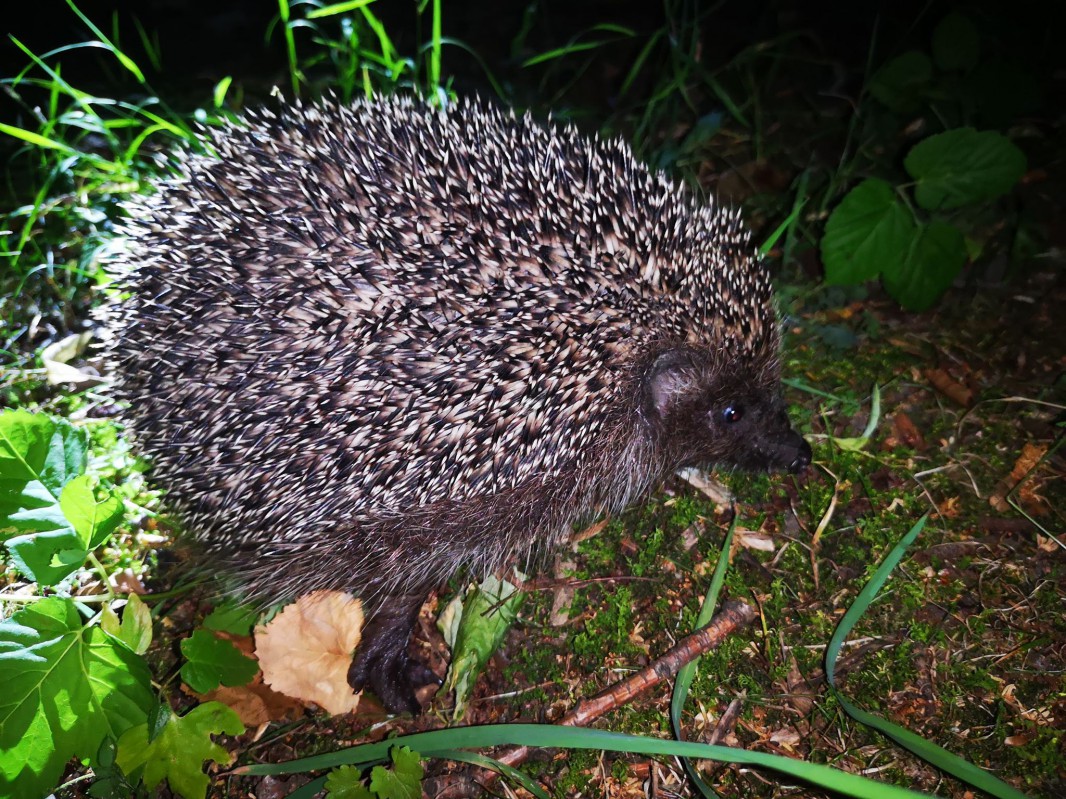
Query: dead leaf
(1027, 494)
(704, 483)
(907, 432)
(753, 539)
(949, 387)
(256, 704)
(305, 650)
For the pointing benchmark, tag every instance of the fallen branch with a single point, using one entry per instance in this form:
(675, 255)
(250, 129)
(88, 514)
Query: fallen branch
(732, 616)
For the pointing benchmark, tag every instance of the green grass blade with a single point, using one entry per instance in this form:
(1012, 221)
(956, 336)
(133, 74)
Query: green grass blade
(475, 759)
(928, 751)
(290, 46)
(688, 671)
(218, 96)
(36, 139)
(560, 52)
(866, 597)
(489, 76)
(434, 56)
(123, 59)
(780, 230)
(429, 744)
(932, 753)
(638, 63)
(337, 8)
(310, 790)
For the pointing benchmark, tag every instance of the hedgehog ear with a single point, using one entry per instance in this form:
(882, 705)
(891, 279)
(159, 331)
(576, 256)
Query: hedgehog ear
(667, 379)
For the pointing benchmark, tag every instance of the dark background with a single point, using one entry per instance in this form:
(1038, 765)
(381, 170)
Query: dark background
(202, 41)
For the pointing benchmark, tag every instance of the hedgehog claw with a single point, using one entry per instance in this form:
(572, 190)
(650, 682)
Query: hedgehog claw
(381, 661)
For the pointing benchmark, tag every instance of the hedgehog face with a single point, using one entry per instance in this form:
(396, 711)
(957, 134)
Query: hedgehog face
(750, 430)
(706, 414)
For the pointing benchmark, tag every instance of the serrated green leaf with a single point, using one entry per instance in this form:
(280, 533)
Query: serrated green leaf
(66, 688)
(403, 780)
(963, 166)
(902, 82)
(47, 558)
(135, 629)
(868, 233)
(178, 752)
(38, 457)
(346, 782)
(93, 521)
(956, 43)
(212, 661)
(232, 617)
(935, 258)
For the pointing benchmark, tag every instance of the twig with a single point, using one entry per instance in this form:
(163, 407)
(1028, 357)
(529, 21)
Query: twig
(732, 616)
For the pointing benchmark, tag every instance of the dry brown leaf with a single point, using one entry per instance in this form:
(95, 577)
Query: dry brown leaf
(707, 485)
(949, 387)
(907, 432)
(256, 704)
(305, 650)
(1027, 492)
(753, 539)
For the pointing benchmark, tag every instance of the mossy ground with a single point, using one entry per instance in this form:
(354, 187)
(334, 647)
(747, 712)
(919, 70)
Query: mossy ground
(964, 646)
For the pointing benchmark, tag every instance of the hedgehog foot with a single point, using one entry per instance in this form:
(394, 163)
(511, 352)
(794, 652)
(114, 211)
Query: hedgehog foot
(381, 661)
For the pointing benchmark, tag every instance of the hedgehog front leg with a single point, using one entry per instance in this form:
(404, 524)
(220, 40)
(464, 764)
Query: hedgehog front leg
(381, 661)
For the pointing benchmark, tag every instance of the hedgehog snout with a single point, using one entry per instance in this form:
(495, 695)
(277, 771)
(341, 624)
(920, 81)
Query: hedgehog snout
(803, 453)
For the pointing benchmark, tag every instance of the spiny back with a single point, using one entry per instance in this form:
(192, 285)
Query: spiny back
(348, 311)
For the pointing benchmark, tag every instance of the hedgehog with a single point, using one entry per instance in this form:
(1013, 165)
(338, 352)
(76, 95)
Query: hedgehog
(369, 345)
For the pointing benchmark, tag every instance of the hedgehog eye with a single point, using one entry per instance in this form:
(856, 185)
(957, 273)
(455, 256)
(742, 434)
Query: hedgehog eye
(733, 413)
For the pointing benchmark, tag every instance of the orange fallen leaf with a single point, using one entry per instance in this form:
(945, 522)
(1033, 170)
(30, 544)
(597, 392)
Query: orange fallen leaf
(949, 387)
(305, 650)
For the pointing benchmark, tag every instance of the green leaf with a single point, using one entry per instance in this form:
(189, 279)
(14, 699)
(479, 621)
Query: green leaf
(232, 617)
(963, 166)
(956, 43)
(857, 444)
(93, 521)
(178, 752)
(935, 258)
(902, 82)
(50, 557)
(66, 688)
(474, 626)
(108, 780)
(135, 629)
(38, 457)
(346, 782)
(212, 660)
(403, 780)
(868, 233)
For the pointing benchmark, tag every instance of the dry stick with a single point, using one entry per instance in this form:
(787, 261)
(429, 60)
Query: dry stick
(732, 616)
